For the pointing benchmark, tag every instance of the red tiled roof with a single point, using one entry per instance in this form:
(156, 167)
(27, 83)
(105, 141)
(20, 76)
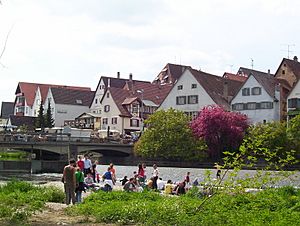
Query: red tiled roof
(72, 96)
(29, 90)
(214, 86)
(235, 77)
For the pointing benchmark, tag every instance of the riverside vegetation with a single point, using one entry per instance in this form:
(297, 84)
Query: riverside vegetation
(273, 206)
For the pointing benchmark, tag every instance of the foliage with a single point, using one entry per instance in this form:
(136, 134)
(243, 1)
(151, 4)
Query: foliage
(40, 122)
(49, 121)
(222, 130)
(20, 199)
(168, 136)
(274, 206)
(293, 132)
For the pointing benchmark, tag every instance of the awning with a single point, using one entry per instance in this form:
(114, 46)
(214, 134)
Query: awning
(295, 112)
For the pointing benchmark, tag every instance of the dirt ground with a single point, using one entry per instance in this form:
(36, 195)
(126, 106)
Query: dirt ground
(54, 214)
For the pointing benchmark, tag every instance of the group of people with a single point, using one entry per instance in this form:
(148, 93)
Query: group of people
(81, 175)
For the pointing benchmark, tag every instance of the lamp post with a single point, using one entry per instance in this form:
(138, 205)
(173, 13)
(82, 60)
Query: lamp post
(141, 91)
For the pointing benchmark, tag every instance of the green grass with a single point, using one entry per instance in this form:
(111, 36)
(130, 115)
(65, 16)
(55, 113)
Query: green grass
(20, 199)
(269, 207)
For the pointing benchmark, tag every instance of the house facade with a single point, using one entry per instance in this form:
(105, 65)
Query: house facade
(196, 89)
(293, 100)
(258, 98)
(67, 104)
(288, 73)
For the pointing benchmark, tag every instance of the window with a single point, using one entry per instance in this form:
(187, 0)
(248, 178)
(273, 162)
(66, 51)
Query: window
(256, 91)
(246, 91)
(105, 121)
(134, 108)
(181, 100)
(78, 101)
(180, 87)
(134, 123)
(194, 86)
(192, 114)
(107, 95)
(238, 107)
(114, 120)
(266, 105)
(251, 106)
(106, 108)
(193, 99)
(294, 103)
(283, 72)
(96, 101)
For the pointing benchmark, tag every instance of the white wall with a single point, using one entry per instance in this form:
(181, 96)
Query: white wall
(36, 103)
(187, 79)
(258, 115)
(97, 107)
(67, 112)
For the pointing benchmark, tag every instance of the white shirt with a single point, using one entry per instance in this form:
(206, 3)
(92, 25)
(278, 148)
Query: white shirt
(155, 173)
(87, 163)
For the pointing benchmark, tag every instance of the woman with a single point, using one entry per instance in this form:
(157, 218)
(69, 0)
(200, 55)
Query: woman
(141, 174)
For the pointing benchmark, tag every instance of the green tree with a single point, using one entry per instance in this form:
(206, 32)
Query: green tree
(49, 121)
(40, 122)
(293, 132)
(169, 136)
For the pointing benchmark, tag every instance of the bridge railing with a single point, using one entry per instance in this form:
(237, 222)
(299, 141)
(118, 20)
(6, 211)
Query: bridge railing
(54, 137)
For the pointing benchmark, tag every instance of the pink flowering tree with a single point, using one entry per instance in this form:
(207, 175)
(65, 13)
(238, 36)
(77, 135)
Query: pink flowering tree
(222, 130)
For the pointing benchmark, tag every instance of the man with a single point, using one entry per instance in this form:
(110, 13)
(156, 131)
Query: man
(130, 186)
(155, 176)
(87, 165)
(70, 181)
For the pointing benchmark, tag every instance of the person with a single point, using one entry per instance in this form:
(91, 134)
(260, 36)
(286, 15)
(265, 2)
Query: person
(169, 187)
(218, 174)
(79, 184)
(141, 174)
(89, 181)
(130, 186)
(80, 163)
(87, 165)
(150, 183)
(70, 181)
(108, 180)
(155, 176)
(160, 184)
(94, 171)
(180, 189)
(187, 180)
(124, 180)
(113, 172)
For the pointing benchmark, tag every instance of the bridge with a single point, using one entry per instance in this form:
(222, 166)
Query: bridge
(54, 150)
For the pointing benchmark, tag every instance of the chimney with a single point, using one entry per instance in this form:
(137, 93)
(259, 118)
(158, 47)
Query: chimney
(130, 76)
(269, 72)
(295, 58)
(108, 83)
(118, 74)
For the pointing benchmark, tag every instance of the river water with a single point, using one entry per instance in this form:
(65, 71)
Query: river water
(166, 173)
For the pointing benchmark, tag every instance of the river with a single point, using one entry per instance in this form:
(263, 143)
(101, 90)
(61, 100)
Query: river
(175, 174)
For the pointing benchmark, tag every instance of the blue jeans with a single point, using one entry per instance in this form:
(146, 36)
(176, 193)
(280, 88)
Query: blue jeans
(78, 196)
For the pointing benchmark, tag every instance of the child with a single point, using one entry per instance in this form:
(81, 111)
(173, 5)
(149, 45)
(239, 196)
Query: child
(79, 184)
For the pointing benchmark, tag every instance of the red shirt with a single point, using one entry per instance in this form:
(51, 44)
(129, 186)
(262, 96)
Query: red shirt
(80, 164)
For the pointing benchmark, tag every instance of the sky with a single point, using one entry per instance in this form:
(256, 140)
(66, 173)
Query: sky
(72, 42)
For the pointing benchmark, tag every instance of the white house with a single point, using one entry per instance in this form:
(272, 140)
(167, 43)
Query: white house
(293, 100)
(258, 98)
(196, 89)
(67, 104)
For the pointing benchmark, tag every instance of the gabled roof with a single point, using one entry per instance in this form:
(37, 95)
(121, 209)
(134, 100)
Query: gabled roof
(72, 97)
(7, 109)
(268, 81)
(247, 71)
(29, 90)
(214, 86)
(235, 77)
(293, 65)
(16, 120)
(89, 115)
(152, 94)
(172, 72)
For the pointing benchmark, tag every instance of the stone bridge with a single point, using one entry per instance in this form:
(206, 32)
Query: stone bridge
(54, 150)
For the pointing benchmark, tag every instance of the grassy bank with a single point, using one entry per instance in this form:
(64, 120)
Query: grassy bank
(269, 207)
(20, 199)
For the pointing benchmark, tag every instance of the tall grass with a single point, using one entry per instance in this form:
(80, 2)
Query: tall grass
(20, 199)
(270, 207)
